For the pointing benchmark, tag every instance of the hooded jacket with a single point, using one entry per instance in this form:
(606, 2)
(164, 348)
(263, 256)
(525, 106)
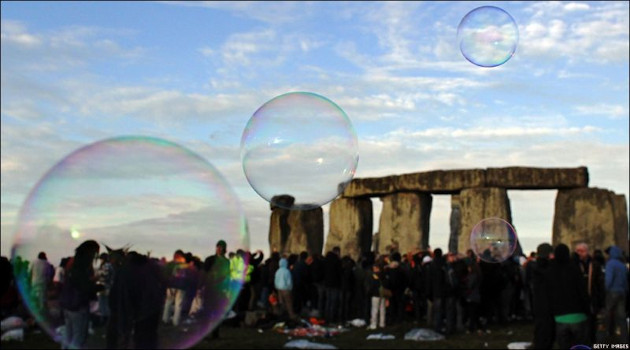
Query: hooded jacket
(566, 292)
(283, 279)
(616, 272)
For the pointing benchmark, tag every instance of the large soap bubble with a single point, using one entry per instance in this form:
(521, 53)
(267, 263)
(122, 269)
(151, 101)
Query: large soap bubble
(493, 240)
(487, 36)
(300, 146)
(144, 198)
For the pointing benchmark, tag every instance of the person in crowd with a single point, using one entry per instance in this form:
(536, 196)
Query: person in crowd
(428, 294)
(437, 287)
(301, 283)
(360, 300)
(80, 288)
(175, 293)
(347, 284)
(416, 284)
(318, 295)
(268, 275)
(41, 275)
(492, 285)
(396, 280)
(528, 296)
(332, 283)
(472, 295)
(105, 275)
(9, 296)
(455, 273)
(238, 272)
(616, 292)
(592, 278)
(284, 286)
(217, 282)
(254, 277)
(544, 324)
(568, 299)
(377, 313)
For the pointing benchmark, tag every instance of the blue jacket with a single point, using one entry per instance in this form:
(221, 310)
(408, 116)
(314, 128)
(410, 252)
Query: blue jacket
(616, 272)
(283, 279)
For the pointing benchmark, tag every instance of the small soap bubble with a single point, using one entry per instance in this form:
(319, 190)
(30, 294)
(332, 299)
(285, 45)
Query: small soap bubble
(487, 36)
(493, 240)
(137, 199)
(299, 150)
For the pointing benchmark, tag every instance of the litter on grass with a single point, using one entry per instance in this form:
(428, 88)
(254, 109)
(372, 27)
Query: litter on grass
(423, 334)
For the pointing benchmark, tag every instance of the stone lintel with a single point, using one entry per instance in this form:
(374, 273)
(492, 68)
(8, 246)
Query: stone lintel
(453, 181)
(528, 178)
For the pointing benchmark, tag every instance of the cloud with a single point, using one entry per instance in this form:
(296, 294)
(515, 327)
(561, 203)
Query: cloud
(267, 12)
(575, 6)
(565, 30)
(611, 111)
(14, 32)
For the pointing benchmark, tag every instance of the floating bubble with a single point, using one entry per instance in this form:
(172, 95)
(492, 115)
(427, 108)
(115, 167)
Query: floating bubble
(493, 240)
(487, 36)
(152, 197)
(299, 150)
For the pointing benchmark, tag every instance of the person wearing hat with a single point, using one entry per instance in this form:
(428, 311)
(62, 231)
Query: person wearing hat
(544, 325)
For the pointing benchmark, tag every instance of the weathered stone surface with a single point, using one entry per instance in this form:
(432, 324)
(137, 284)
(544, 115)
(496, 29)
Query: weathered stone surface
(536, 178)
(477, 204)
(404, 221)
(350, 221)
(441, 181)
(306, 231)
(279, 229)
(292, 231)
(283, 201)
(455, 224)
(438, 181)
(370, 187)
(453, 181)
(621, 221)
(585, 215)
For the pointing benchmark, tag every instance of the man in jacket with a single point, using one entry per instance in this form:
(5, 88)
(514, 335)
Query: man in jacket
(568, 299)
(616, 290)
(284, 285)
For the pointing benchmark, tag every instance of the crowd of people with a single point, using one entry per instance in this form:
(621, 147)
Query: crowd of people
(572, 297)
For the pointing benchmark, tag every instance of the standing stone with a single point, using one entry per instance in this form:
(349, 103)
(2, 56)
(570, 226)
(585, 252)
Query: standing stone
(621, 222)
(279, 229)
(306, 231)
(375, 243)
(350, 221)
(477, 204)
(404, 222)
(455, 224)
(588, 215)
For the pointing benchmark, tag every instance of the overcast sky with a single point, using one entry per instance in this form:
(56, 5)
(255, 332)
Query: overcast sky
(193, 73)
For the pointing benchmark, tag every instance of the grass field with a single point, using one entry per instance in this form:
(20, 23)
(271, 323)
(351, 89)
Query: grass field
(255, 338)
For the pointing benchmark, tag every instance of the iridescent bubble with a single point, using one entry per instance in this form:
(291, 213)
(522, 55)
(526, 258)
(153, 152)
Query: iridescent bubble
(299, 146)
(144, 198)
(487, 36)
(493, 240)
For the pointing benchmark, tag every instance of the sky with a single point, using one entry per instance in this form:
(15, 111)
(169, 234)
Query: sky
(193, 73)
